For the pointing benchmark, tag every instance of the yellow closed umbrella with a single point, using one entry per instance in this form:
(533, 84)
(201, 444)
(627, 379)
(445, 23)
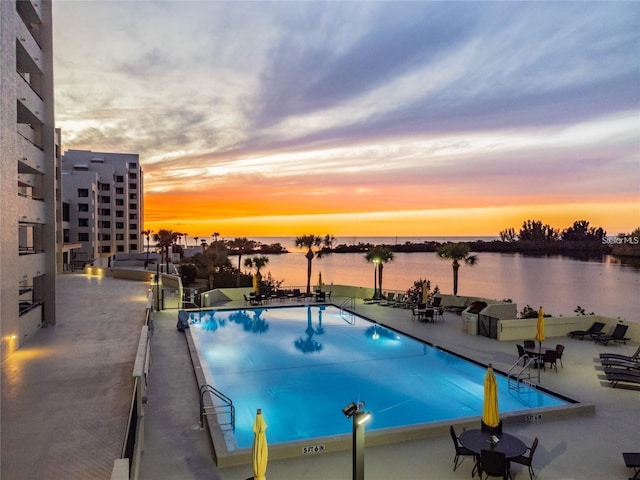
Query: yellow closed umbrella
(425, 293)
(540, 337)
(260, 449)
(256, 287)
(490, 416)
(320, 280)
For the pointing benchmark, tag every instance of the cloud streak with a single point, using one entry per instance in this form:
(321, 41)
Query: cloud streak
(366, 105)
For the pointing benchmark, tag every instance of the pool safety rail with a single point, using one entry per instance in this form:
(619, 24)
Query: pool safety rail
(522, 377)
(226, 408)
(349, 303)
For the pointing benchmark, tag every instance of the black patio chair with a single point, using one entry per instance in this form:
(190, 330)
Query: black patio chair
(460, 450)
(560, 351)
(522, 355)
(493, 463)
(527, 457)
(550, 357)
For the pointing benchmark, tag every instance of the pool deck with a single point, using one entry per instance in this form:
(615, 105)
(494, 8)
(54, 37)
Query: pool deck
(65, 398)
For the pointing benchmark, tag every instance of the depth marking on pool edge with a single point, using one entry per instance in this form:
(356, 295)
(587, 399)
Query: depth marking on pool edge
(311, 449)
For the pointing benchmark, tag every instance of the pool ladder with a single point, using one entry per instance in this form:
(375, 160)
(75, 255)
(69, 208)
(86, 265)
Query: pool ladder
(227, 407)
(517, 379)
(350, 303)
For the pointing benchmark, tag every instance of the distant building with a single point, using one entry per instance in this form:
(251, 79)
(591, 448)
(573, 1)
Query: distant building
(104, 195)
(29, 200)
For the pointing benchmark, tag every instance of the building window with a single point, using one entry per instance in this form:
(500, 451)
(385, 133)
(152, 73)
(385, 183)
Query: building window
(133, 186)
(133, 246)
(133, 236)
(83, 192)
(119, 191)
(66, 212)
(83, 222)
(105, 187)
(133, 165)
(133, 196)
(104, 224)
(119, 202)
(83, 237)
(83, 207)
(119, 179)
(133, 176)
(65, 236)
(119, 224)
(133, 206)
(105, 236)
(105, 211)
(119, 213)
(133, 216)
(119, 236)
(120, 248)
(133, 226)
(105, 199)
(106, 249)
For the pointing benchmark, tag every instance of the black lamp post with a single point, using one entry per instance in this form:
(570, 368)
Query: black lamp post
(359, 418)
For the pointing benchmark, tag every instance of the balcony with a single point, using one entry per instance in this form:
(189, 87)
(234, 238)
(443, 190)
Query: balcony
(30, 105)
(30, 11)
(32, 265)
(28, 52)
(30, 158)
(31, 210)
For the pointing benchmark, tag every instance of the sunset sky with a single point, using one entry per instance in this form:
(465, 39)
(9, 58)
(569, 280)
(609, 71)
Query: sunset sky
(360, 118)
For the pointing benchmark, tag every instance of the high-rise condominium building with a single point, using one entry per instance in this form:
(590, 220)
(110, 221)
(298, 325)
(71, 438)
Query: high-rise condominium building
(104, 195)
(29, 200)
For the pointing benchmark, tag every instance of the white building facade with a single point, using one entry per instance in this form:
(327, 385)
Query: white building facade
(104, 195)
(29, 200)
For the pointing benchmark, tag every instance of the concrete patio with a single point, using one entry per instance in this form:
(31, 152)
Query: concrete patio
(66, 394)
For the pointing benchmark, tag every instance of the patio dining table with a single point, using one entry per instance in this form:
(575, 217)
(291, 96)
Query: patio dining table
(478, 440)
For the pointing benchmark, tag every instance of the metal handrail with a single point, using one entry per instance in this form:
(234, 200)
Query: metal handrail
(227, 408)
(351, 303)
(519, 377)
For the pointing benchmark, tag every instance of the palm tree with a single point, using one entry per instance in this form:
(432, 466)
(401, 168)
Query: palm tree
(165, 239)
(215, 236)
(328, 241)
(196, 239)
(456, 252)
(257, 262)
(215, 257)
(147, 233)
(240, 245)
(379, 255)
(312, 244)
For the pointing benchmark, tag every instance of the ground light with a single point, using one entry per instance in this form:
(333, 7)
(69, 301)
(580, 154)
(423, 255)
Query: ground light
(359, 418)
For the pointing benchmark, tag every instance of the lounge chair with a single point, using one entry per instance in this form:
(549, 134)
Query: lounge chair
(460, 450)
(617, 362)
(390, 300)
(527, 458)
(632, 358)
(614, 378)
(610, 370)
(595, 329)
(618, 335)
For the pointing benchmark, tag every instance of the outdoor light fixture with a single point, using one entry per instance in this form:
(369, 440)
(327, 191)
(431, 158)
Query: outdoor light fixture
(354, 411)
(350, 409)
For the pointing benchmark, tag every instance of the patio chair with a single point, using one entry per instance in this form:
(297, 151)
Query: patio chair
(528, 344)
(527, 458)
(560, 351)
(460, 450)
(438, 313)
(550, 357)
(428, 315)
(595, 329)
(493, 463)
(522, 355)
(618, 335)
(632, 358)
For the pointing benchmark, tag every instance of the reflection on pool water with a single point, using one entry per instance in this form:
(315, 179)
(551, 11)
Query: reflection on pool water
(302, 365)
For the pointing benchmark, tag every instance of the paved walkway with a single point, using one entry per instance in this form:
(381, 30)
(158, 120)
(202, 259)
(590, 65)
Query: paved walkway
(66, 393)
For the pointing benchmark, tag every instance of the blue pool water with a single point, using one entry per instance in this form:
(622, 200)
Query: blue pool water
(302, 365)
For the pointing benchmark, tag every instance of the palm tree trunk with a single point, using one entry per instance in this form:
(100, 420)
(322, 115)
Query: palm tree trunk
(380, 278)
(238, 279)
(309, 259)
(456, 266)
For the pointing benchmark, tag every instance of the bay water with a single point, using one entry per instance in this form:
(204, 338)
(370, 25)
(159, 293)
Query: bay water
(558, 284)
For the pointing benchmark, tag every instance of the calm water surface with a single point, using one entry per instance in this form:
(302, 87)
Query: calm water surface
(557, 283)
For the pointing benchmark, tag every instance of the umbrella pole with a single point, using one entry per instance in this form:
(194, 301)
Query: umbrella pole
(539, 358)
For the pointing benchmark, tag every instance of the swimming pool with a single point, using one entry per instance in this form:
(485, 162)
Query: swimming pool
(302, 365)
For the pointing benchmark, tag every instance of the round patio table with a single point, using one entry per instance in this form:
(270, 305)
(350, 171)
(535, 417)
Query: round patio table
(477, 440)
